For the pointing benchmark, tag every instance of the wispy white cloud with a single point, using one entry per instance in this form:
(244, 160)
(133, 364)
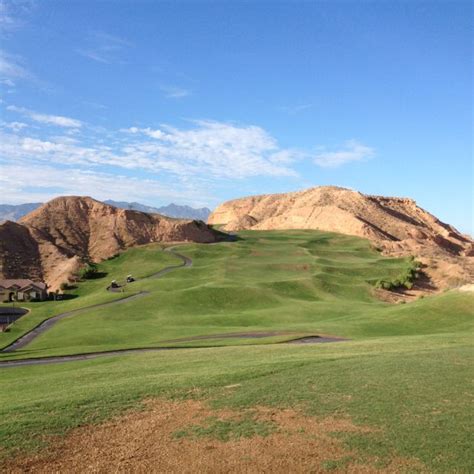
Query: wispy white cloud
(95, 55)
(103, 47)
(11, 69)
(294, 109)
(173, 92)
(15, 126)
(287, 156)
(57, 120)
(142, 162)
(214, 150)
(217, 148)
(95, 105)
(43, 182)
(206, 151)
(13, 14)
(350, 152)
(7, 21)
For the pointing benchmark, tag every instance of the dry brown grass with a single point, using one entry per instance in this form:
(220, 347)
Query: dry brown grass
(146, 441)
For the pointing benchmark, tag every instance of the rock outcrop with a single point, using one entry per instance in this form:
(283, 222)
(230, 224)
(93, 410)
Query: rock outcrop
(398, 226)
(19, 252)
(52, 242)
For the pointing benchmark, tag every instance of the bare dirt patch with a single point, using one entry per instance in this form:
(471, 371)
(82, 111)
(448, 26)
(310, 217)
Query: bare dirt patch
(177, 436)
(399, 296)
(442, 272)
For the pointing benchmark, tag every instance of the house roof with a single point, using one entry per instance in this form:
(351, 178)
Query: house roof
(22, 284)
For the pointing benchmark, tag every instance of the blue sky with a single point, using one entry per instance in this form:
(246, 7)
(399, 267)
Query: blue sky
(200, 102)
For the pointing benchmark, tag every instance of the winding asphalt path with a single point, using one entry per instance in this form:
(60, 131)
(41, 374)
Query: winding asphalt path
(94, 355)
(28, 337)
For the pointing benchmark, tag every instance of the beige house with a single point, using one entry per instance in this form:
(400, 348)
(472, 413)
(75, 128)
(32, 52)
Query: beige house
(22, 290)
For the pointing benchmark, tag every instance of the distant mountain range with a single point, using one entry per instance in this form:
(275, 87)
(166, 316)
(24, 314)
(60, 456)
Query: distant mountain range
(171, 210)
(10, 212)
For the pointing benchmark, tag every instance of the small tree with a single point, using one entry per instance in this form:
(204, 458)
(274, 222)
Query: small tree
(88, 271)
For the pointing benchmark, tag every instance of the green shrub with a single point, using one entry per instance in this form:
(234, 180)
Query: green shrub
(384, 284)
(405, 280)
(88, 271)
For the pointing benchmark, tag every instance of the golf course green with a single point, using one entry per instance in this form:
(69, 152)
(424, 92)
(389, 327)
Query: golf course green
(405, 370)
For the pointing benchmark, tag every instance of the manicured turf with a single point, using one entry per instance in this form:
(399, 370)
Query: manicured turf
(300, 282)
(417, 390)
(140, 262)
(406, 372)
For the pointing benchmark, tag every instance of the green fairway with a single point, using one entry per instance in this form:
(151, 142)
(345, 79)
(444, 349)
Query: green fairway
(407, 370)
(296, 283)
(417, 390)
(140, 262)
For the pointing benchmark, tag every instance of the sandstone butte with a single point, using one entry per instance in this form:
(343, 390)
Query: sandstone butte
(398, 226)
(53, 241)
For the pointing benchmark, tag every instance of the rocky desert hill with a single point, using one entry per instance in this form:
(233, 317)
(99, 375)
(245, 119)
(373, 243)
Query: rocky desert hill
(14, 212)
(396, 225)
(53, 241)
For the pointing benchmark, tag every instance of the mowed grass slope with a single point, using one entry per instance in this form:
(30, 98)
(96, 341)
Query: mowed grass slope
(294, 283)
(140, 261)
(415, 392)
(406, 373)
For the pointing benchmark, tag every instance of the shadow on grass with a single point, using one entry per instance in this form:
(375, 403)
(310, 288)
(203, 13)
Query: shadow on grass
(97, 276)
(67, 296)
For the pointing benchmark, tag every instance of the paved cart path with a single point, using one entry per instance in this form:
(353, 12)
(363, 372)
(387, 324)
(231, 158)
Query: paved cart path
(27, 338)
(94, 355)
(31, 335)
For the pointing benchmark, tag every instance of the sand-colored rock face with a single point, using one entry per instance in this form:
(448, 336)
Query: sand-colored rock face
(52, 241)
(396, 225)
(19, 252)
